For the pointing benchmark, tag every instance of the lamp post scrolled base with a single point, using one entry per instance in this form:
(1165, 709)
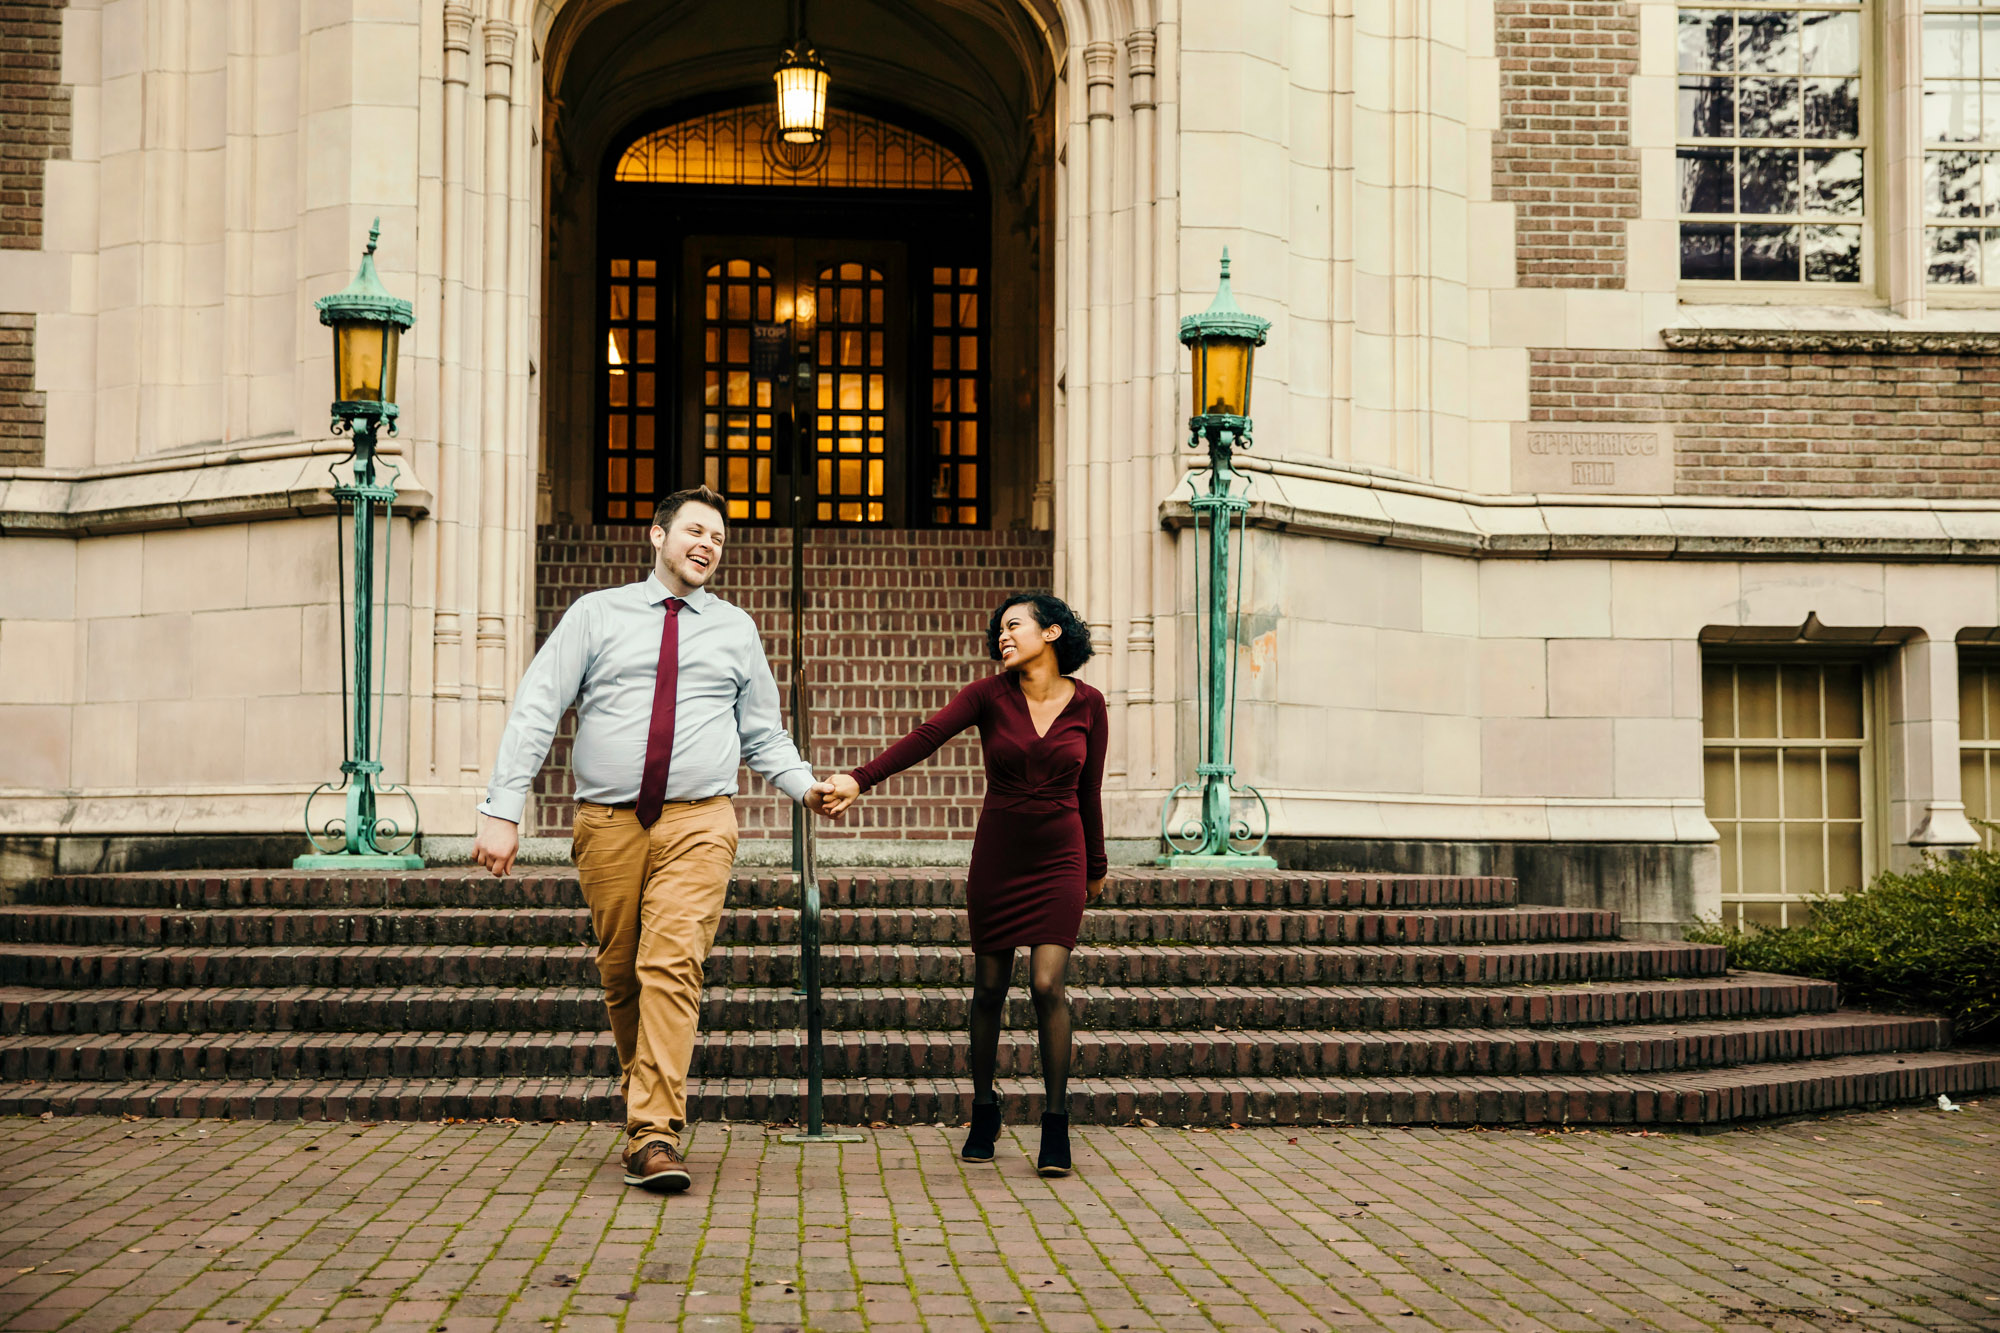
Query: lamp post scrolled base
(1175, 861)
(356, 861)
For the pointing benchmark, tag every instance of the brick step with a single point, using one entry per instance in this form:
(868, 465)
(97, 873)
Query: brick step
(1684, 1099)
(768, 1009)
(309, 927)
(1183, 1054)
(471, 887)
(863, 965)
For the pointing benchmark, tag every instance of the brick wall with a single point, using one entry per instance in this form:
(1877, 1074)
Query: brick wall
(21, 407)
(1564, 152)
(896, 625)
(1794, 424)
(34, 127)
(34, 114)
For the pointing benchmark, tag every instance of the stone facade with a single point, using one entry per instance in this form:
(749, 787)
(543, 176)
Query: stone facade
(1516, 486)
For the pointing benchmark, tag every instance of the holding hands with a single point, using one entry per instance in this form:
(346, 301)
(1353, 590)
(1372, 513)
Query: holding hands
(832, 797)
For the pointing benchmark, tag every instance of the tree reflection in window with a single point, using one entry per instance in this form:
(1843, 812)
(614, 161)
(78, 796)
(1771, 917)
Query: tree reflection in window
(1961, 122)
(1772, 152)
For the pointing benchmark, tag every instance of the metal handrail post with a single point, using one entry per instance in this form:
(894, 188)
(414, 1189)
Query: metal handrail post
(804, 844)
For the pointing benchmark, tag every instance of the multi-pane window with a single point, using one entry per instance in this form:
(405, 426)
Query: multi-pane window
(1786, 752)
(955, 379)
(1961, 69)
(631, 390)
(1979, 736)
(1772, 143)
(851, 425)
(737, 432)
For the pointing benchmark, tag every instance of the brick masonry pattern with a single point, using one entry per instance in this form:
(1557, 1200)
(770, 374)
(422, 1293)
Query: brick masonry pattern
(1282, 996)
(1794, 424)
(34, 127)
(1836, 1223)
(34, 114)
(895, 625)
(1564, 152)
(22, 408)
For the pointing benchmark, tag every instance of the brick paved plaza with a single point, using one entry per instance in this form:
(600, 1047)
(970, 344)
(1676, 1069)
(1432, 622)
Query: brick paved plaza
(1882, 1219)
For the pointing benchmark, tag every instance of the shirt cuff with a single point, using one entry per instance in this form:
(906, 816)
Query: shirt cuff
(506, 805)
(795, 783)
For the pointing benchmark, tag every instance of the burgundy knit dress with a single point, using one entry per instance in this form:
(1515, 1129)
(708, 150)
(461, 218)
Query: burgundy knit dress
(1041, 829)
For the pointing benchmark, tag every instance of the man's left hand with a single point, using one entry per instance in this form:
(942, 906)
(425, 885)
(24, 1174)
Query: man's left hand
(816, 799)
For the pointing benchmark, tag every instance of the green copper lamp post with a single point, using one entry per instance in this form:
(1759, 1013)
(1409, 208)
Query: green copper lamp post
(1224, 340)
(367, 325)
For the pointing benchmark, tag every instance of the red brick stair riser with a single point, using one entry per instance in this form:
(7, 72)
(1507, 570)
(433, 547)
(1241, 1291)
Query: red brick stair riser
(921, 1054)
(860, 965)
(729, 1008)
(1287, 996)
(265, 927)
(1690, 1099)
(470, 888)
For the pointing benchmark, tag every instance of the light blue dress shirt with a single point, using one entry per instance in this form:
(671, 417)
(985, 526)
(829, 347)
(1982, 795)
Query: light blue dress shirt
(604, 657)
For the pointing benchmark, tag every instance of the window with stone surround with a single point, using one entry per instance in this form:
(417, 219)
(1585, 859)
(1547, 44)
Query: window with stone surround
(1961, 129)
(1787, 754)
(1773, 152)
(1979, 736)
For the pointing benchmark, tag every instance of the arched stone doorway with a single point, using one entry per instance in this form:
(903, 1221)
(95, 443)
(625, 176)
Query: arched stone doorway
(878, 315)
(765, 310)
(928, 205)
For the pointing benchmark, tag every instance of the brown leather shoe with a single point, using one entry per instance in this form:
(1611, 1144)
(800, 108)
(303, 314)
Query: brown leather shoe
(657, 1166)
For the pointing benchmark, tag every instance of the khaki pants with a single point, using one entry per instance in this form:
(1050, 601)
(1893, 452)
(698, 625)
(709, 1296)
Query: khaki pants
(655, 899)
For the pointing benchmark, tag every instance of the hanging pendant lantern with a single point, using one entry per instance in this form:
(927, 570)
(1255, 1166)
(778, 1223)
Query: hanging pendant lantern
(801, 79)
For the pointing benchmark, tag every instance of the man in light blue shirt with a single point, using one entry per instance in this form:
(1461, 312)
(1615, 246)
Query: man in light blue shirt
(655, 834)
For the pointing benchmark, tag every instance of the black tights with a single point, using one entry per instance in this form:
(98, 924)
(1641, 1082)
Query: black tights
(1048, 967)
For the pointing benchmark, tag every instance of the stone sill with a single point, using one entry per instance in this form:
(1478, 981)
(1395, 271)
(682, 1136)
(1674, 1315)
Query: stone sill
(1832, 329)
(282, 480)
(1376, 508)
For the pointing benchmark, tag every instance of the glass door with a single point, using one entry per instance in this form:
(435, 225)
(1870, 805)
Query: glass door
(793, 356)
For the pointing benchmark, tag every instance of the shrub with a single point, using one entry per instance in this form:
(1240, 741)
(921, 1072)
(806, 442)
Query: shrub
(1928, 939)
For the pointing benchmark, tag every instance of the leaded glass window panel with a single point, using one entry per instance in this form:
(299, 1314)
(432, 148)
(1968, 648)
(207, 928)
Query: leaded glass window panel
(742, 146)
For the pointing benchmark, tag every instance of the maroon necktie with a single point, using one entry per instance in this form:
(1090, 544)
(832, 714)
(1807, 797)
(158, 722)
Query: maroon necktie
(660, 735)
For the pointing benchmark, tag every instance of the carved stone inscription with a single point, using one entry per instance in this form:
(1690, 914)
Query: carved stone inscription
(1569, 457)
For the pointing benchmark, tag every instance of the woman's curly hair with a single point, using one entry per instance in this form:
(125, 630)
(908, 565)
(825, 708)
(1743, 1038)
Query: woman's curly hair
(1072, 649)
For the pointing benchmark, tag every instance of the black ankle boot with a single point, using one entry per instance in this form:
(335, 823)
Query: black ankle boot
(985, 1130)
(1054, 1159)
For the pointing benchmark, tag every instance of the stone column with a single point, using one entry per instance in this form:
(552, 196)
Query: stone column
(491, 628)
(1140, 502)
(1902, 157)
(1923, 738)
(448, 639)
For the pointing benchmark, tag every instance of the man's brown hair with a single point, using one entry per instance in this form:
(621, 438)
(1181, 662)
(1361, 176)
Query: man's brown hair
(663, 516)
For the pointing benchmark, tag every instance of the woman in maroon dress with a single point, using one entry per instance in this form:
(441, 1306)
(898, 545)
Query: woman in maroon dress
(1038, 855)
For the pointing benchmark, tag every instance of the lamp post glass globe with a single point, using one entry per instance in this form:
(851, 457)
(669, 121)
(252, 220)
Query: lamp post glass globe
(1223, 341)
(367, 326)
(1222, 375)
(364, 361)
